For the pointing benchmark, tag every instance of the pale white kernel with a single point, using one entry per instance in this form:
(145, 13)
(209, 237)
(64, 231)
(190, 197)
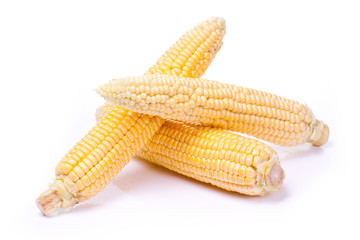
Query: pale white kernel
(127, 94)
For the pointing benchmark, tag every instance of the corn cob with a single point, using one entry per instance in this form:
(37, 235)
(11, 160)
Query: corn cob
(209, 103)
(108, 147)
(212, 155)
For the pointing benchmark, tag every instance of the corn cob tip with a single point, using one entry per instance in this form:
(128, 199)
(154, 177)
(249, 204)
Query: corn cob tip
(220, 20)
(275, 176)
(319, 133)
(57, 196)
(271, 175)
(48, 202)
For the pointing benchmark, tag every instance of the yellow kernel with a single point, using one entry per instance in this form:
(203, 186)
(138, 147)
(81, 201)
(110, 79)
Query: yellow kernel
(80, 185)
(250, 172)
(64, 168)
(86, 180)
(73, 177)
(78, 171)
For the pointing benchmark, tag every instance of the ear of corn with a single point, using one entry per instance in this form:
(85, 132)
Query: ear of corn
(215, 156)
(212, 155)
(266, 116)
(108, 147)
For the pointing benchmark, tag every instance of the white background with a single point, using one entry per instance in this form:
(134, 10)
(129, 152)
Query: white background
(53, 56)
